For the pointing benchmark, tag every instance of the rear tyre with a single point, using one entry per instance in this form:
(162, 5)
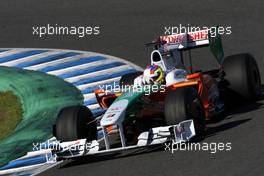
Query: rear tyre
(184, 104)
(128, 79)
(242, 76)
(75, 122)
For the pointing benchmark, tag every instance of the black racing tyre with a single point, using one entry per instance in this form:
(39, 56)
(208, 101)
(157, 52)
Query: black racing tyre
(242, 76)
(75, 122)
(183, 104)
(128, 79)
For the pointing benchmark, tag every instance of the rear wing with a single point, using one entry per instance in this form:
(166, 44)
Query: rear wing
(197, 39)
(187, 40)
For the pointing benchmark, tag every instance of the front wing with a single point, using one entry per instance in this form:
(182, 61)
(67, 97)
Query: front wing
(55, 151)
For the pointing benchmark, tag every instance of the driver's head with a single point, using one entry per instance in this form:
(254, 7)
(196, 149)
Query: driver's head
(155, 73)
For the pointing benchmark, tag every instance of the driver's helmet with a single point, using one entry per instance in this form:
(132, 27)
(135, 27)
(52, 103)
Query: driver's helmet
(155, 73)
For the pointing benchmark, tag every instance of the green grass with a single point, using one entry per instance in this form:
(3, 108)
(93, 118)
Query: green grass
(10, 113)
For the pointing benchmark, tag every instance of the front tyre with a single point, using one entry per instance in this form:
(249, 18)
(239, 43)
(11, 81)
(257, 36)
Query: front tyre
(184, 104)
(75, 122)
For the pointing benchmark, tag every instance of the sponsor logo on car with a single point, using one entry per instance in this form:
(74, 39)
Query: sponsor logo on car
(110, 116)
(191, 37)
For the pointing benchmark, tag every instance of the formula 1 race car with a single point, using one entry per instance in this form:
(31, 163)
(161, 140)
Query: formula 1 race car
(137, 115)
(140, 115)
(175, 111)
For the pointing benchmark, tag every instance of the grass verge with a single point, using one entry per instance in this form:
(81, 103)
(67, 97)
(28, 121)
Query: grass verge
(10, 113)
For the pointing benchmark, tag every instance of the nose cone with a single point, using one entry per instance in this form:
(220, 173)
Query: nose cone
(114, 113)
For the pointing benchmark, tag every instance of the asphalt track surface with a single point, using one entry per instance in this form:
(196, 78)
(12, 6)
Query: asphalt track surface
(124, 27)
